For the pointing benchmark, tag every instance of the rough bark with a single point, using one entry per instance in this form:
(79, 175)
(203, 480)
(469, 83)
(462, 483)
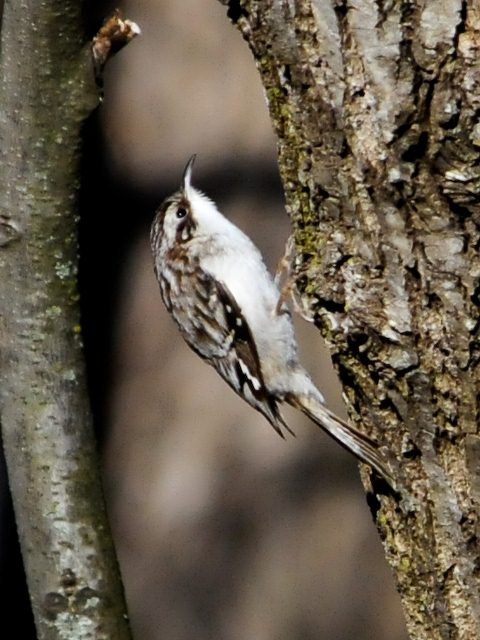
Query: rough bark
(47, 90)
(375, 105)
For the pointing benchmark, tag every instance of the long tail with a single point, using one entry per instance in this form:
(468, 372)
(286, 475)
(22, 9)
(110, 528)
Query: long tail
(311, 404)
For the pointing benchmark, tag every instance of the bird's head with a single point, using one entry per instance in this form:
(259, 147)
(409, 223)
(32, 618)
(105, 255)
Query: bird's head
(182, 215)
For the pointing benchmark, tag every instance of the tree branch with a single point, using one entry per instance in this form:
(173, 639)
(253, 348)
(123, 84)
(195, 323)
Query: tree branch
(375, 106)
(47, 90)
(115, 34)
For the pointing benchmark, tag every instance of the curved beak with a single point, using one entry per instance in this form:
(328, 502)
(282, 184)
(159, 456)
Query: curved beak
(187, 174)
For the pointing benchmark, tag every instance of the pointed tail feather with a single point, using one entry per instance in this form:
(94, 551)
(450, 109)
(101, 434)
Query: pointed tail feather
(345, 434)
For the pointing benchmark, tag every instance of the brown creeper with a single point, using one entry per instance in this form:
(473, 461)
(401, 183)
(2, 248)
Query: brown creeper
(216, 286)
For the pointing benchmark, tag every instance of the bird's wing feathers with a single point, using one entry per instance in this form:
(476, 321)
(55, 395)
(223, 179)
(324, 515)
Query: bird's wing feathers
(224, 339)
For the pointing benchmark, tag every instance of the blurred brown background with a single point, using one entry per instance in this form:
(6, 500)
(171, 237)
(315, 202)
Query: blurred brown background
(223, 530)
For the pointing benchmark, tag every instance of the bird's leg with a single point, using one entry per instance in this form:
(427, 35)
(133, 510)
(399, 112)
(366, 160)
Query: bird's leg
(288, 291)
(284, 272)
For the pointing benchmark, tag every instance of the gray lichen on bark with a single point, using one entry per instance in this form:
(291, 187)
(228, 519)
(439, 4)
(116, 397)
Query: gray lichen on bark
(375, 105)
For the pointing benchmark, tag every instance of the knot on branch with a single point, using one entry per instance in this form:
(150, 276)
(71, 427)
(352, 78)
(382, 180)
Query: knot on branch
(113, 36)
(9, 230)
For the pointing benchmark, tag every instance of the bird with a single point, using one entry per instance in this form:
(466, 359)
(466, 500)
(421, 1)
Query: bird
(216, 286)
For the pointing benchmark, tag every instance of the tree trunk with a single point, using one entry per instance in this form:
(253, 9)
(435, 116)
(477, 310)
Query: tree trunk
(375, 105)
(47, 89)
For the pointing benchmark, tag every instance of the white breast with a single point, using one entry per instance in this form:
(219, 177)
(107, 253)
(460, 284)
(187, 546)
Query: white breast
(231, 257)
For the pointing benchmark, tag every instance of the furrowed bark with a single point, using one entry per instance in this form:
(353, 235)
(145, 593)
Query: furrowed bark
(375, 106)
(47, 90)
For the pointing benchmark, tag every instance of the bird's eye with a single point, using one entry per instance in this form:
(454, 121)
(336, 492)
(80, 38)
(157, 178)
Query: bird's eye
(181, 212)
